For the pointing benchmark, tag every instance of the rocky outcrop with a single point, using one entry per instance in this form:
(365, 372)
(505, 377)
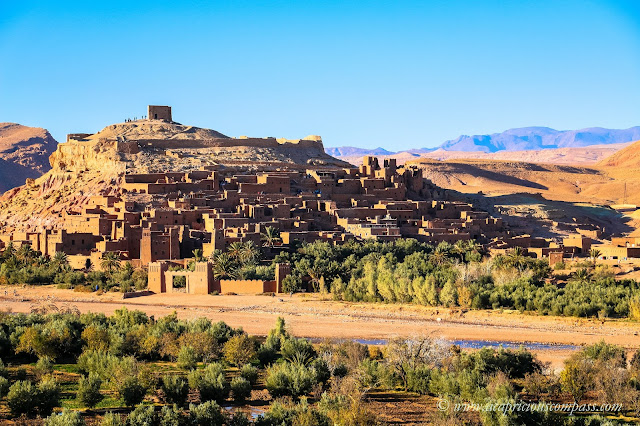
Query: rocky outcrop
(95, 164)
(24, 154)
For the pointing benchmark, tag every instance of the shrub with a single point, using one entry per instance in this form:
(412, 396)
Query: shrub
(48, 396)
(250, 373)
(89, 390)
(418, 379)
(43, 367)
(3, 369)
(4, 386)
(111, 419)
(206, 414)
(210, 383)
(286, 413)
(266, 354)
(288, 379)
(98, 362)
(240, 349)
(297, 350)
(171, 416)
(187, 358)
(66, 418)
(131, 392)
(240, 389)
(175, 388)
(142, 416)
(21, 398)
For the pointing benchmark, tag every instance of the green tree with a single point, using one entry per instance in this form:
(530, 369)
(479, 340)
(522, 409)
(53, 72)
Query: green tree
(22, 398)
(131, 392)
(240, 388)
(240, 349)
(210, 383)
(89, 390)
(175, 388)
(187, 358)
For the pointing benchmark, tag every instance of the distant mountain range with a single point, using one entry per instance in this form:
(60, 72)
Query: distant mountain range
(348, 151)
(521, 139)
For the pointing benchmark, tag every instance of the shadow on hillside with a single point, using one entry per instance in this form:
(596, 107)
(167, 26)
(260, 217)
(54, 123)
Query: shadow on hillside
(537, 214)
(478, 171)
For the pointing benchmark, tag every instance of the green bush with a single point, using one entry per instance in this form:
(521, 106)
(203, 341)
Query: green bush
(65, 418)
(3, 369)
(110, 419)
(187, 358)
(297, 350)
(293, 414)
(22, 398)
(418, 379)
(240, 349)
(240, 389)
(89, 390)
(175, 388)
(142, 415)
(131, 392)
(98, 362)
(171, 416)
(4, 386)
(48, 396)
(210, 383)
(43, 367)
(289, 379)
(207, 414)
(250, 373)
(266, 354)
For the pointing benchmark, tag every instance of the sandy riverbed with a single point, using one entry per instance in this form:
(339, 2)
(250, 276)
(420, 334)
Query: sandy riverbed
(311, 316)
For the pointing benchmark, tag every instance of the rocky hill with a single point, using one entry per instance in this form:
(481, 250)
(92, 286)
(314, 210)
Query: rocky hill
(24, 154)
(95, 164)
(627, 158)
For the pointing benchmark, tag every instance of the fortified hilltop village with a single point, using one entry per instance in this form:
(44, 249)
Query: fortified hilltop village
(153, 191)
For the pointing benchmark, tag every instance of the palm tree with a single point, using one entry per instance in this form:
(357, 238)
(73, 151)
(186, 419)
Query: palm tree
(594, 254)
(110, 262)
(460, 248)
(235, 250)
(581, 274)
(516, 257)
(270, 236)
(223, 265)
(250, 252)
(25, 253)
(438, 258)
(60, 258)
(197, 254)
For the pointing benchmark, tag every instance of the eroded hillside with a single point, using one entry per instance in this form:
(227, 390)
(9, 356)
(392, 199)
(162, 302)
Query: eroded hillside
(95, 164)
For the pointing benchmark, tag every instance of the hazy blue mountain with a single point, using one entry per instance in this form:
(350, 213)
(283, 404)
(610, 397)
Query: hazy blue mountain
(350, 150)
(525, 138)
(534, 138)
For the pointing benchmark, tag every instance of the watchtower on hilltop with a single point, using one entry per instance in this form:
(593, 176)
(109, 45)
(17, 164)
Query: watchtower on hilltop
(159, 112)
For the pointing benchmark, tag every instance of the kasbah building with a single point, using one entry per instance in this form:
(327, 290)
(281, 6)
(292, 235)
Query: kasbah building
(210, 208)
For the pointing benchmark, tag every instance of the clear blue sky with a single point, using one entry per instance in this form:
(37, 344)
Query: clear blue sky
(396, 74)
